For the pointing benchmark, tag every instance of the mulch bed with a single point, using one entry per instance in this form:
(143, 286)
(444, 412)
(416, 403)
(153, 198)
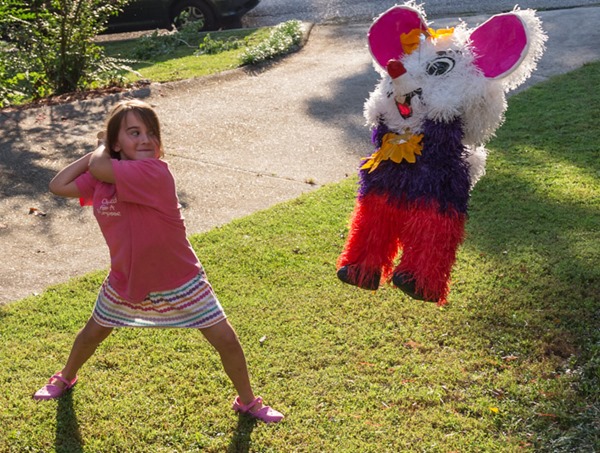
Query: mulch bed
(76, 96)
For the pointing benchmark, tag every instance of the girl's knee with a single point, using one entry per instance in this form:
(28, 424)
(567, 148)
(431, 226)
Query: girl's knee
(222, 336)
(94, 332)
(230, 342)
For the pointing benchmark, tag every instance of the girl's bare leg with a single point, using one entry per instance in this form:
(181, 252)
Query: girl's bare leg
(224, 339)
(85, 345)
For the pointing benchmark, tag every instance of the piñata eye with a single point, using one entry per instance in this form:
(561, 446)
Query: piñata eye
(440, 66)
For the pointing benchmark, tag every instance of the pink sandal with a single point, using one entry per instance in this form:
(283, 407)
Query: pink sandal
(265, 413)
(51, 391)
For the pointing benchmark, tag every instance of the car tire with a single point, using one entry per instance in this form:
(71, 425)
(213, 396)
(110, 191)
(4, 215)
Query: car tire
(232, 22)
(198, 10)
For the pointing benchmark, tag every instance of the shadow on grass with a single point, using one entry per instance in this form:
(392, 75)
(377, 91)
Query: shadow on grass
(540, 237)
(68, 437)
(240, 443)
(547, 269)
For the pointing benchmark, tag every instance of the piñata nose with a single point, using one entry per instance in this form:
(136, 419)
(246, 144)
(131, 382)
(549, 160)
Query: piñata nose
(395, 68)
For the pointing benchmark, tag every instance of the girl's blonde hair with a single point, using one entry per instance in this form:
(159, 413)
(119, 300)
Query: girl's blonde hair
(118, 113)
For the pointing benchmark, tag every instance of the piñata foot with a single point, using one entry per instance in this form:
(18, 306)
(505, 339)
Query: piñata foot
(408, 285)
(353, 276)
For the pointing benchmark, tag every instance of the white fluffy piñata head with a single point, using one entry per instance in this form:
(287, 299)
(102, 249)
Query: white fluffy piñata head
(445, 74)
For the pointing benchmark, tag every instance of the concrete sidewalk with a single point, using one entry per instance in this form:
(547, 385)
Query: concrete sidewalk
(237, 143)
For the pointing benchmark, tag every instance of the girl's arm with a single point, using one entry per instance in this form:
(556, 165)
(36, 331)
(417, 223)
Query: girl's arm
(63, 184)
(100, 165)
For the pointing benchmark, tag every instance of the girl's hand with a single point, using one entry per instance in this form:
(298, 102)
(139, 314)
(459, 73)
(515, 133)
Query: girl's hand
(101, 136)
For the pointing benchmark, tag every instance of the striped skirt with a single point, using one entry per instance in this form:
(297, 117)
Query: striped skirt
(193, 305)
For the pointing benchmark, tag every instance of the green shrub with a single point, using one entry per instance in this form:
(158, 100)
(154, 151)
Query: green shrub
(284, 38)
(155, 44)
(50, 47)
(214, 46)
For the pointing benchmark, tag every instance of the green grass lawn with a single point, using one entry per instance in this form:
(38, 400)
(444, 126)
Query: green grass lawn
(511, 364)
(187, 54)
(155, 60)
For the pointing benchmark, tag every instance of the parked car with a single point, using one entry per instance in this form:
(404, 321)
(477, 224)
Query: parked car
(151, 14)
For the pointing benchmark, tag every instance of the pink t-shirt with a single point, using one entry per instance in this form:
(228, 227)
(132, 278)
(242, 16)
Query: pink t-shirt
(141, 222)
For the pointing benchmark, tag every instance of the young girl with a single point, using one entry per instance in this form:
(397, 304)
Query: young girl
(155, 278)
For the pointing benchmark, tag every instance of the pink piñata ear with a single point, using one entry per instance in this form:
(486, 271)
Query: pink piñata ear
(499, 44)
(384, 34)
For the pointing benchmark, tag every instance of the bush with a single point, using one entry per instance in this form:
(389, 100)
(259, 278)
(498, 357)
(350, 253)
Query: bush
(211, 46)
(284, 38)
(49, 47)
(155, 44)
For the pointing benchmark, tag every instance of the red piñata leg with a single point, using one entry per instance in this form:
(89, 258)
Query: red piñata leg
(372, 242)
(431, 239)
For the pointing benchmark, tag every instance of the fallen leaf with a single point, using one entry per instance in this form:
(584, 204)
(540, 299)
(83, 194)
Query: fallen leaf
(36, 211)
(510, 358)
(410, 344)
(498, 393)
(495, 410)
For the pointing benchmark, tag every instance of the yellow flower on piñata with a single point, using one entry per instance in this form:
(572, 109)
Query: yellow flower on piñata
(434, 34)
(396, 147)
(411, 40)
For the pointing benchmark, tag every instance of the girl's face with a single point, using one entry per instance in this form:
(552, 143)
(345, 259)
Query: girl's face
(135, 140)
